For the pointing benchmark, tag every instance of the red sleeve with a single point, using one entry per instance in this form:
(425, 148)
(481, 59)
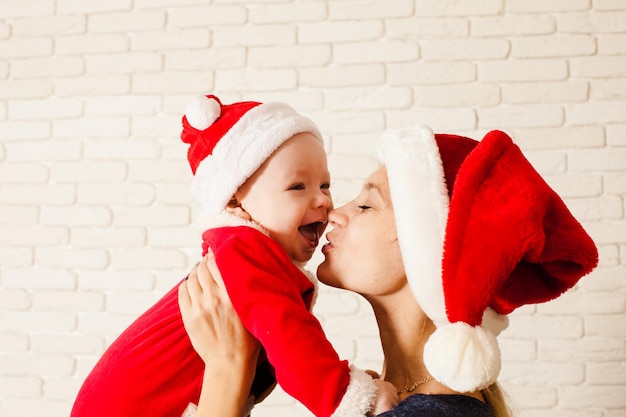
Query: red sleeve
(266, 290)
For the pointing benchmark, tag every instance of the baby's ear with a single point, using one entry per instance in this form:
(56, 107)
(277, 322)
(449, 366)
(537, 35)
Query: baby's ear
(234, 207)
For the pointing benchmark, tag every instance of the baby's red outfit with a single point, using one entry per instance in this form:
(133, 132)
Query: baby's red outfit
(152, 368)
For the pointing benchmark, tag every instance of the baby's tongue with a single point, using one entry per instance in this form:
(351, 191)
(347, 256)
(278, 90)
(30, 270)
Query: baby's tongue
(309, 232)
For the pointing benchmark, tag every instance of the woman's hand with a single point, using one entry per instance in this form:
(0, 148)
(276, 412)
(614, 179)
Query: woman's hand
(228, 350)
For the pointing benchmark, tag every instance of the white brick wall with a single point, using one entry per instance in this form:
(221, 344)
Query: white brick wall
(96, 220)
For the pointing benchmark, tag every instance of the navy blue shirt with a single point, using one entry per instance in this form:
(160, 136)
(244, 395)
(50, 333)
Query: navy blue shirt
(439, 405)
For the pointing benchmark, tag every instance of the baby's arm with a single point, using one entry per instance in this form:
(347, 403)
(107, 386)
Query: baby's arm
(386, 397)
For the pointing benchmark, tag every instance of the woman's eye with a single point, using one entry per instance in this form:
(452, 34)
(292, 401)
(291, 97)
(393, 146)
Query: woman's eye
(364, 207)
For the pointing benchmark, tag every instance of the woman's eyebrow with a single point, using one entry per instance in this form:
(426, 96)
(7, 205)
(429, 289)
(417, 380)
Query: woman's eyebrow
(370, 186)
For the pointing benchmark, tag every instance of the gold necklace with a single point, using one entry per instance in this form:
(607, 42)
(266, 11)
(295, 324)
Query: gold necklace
(415, 385)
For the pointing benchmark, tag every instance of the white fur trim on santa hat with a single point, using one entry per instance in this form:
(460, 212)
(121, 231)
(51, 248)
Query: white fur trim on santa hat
(243, 149)
(463, 357)
(359, 397)
(420, 203)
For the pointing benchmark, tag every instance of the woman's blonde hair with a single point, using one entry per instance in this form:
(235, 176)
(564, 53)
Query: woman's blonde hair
(495, 397)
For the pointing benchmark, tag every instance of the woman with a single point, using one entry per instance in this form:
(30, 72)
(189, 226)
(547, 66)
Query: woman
(444, 240)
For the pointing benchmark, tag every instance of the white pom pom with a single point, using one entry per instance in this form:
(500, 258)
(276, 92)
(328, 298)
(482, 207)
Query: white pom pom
(202, 111)
(463, 357)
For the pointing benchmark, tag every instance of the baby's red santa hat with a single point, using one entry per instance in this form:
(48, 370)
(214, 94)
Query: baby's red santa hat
(481, 233)
(229, 142)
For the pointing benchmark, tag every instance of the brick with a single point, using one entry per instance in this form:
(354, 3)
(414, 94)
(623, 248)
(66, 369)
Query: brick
(174, 194)
(441, 8)
(415, 29)
(48, 26)
(430, 73)
(157, 126)
(290, 56)
(585, 303)
(336, 303)
(535, 6)
(202, 16)
(147, 4)
(520, 116)
(75, 216)
(115, 193)
(366, 10)
(151, 216)
(615, 182)
(576, 185)
(35, 194)
(132, 21)
(598, 67)
(25, 89)
(543, 373)
(609, 255)
(103, 323)
(17, 385)
(23, 173)
(206, 59)
(604, 278)
(126, 104)
(369, 98)
(28, 236)
(611, 373)
(456, 95)
(604, 207)
(20, 8)
(176, 82)
(47, 150)
(616, 135)
(14, 299)
(545, 92)
(35, 406)
(137, 259)
(92, 127)
(589, 396)
(588, 349)
(134, 302)
(16, 257)
(174, 237)
(94, 237)
(517, 350)
(523, 70)
(21, 215)
(112, 148)
(13, 342)
(158, 171)
(123, 63)
(5, 30)
(51, 108)
(64, 344)
(611, 44)
(605, 112)
(115, 280)
(70, 301)
(91, 43)
(547, 163)
(559, 137)
(608, 5)
(336, 32)
(47, 67)
(610, 89)
(61, 390)
(464, 49)
(92, 85)
(38, 279)
(607, 159)
(555, 327)
(38, 321)
(359, 144)
(4, 72)
(597, 22)
(86, 172)
(440, 120)
(91, 6)
(72, 258)
(512, 24)
(605, 325)
(158, 40)
(257, 80)
(383, 50)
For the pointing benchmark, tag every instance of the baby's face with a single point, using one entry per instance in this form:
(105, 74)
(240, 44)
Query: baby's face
(289, 195)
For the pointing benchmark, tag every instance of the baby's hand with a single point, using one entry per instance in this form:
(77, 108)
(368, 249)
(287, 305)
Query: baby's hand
(386, 397)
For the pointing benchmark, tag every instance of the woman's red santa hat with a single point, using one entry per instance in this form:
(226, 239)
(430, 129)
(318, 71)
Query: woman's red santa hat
(229, 142)
(481, 233)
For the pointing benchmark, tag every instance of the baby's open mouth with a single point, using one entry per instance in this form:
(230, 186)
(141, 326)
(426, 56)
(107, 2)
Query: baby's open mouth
(311, 232)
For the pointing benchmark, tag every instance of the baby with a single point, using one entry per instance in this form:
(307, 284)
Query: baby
(260, 171)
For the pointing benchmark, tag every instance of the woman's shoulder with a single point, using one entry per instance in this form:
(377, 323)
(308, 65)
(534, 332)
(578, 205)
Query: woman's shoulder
(439, 405)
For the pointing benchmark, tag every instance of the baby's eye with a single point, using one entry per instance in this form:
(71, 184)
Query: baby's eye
(299, 186)
(325, 186)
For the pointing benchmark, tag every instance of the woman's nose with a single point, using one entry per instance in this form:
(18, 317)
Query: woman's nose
(336, 217)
